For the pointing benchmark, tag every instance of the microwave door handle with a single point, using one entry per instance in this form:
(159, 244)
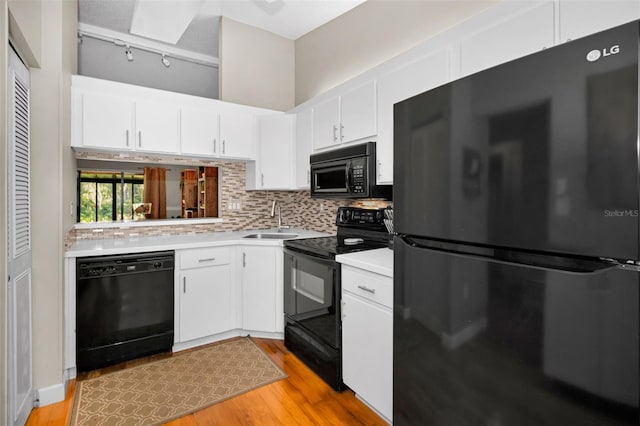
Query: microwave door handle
(347, 173)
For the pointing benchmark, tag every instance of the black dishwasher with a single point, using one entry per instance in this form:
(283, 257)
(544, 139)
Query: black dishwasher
(124, 308)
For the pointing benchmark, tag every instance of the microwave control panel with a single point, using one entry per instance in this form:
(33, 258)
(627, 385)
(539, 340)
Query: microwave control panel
(358, 176)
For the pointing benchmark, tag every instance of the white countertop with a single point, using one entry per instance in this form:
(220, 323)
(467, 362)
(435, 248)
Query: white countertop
(379, 261)
(109, 246)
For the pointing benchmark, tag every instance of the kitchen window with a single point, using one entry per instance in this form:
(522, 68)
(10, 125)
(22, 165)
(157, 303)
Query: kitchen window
(108, 196)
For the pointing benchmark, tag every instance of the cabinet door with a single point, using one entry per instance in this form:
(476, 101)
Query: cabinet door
(358, 113)
(205, 302)
(581, 18)
(367, 351)
(237, 131)
(156, 127)
(275, 139)
(303, 143)
(258, 289)
(107, 121)
(520, 35)
(199, 132)
(412, 79)
(326, 124)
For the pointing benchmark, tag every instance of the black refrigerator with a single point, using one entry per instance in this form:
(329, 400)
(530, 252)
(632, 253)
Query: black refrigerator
(516, 195)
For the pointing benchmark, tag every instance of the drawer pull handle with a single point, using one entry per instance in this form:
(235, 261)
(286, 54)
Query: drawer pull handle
(367, 289)
(210, 259)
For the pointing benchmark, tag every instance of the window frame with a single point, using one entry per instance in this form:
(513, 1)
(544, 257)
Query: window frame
(121, 180)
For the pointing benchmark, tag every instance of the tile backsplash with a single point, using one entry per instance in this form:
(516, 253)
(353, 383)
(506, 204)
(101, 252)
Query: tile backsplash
(253, 207)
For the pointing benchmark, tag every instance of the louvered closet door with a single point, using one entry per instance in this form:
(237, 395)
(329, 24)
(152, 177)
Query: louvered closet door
(19, 237)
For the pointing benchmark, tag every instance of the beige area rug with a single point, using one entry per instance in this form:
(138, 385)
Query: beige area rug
(163, 390)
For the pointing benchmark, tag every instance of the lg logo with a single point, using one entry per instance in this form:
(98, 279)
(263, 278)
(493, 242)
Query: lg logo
(596, 54)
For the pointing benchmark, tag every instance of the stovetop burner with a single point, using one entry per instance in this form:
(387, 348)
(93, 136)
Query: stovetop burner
(353, 224)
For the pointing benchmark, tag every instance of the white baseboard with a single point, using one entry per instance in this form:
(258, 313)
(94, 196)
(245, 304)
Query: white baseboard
(51, 394)
(177, 347)
(70, 373)
(263, 334)
(382, 416)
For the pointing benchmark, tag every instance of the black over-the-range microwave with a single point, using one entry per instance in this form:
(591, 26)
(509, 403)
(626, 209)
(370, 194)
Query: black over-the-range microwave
(347, 173)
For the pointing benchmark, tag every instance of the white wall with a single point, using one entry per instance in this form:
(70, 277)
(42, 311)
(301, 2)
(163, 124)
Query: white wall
(51, 169)
(25, 29)
(368, 35)
(105, 60)
(69, 67)
(257, 67)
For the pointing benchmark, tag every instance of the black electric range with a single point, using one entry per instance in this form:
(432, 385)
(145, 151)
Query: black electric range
(358, 230)
(312, 289)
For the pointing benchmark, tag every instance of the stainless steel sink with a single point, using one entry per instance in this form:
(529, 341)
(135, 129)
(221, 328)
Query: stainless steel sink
(271, 236)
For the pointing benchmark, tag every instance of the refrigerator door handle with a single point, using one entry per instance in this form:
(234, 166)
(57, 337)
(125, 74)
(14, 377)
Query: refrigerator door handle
(565, 264)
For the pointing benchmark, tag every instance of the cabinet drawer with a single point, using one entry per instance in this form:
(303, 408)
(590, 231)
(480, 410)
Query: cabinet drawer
(197, 258)
(370, 286)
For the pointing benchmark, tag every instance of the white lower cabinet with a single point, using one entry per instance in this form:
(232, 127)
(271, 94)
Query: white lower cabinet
(367, 337)
(206, 303)
(262, 298)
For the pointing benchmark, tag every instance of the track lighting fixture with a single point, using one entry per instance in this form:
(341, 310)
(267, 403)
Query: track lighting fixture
(128, 52)
(128, 44)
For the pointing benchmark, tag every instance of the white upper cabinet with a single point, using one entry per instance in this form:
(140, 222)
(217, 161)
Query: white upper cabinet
(358, 113)
(303, 145)
(275, 145)
(107, 121)
(527, 32)
(412, 79)
(199, 132)
(326, 124)
(346, 118)
(156, 127)
(237, 132)
(113, 116)
(581, 18)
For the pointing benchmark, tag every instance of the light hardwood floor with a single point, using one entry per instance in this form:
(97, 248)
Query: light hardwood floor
(300, 399)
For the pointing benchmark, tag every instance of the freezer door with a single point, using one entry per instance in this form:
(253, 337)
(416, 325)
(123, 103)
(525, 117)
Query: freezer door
(539, 153)
(481, 341)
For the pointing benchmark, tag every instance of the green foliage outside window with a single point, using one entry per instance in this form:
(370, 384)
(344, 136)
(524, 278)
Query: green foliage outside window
(105, 197)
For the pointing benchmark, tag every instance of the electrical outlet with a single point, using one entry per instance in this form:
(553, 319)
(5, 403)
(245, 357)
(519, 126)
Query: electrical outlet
(321, 207)
(234, 205)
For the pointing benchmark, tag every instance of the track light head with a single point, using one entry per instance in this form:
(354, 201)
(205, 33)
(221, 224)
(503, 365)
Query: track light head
(127, 51)
(165, 61)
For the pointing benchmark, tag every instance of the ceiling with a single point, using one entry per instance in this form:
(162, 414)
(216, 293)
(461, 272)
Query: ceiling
(195, 23)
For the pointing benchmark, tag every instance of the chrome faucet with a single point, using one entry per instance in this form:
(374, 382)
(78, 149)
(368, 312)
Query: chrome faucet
(273, 213)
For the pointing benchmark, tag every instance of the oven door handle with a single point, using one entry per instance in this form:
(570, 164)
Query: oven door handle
(294, 275)
(298, 254)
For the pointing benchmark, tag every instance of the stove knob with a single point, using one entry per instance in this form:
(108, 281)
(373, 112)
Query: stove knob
(348, 214)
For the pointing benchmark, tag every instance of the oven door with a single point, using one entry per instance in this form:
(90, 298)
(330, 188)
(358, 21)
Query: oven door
(330, 178)
(311, 294)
